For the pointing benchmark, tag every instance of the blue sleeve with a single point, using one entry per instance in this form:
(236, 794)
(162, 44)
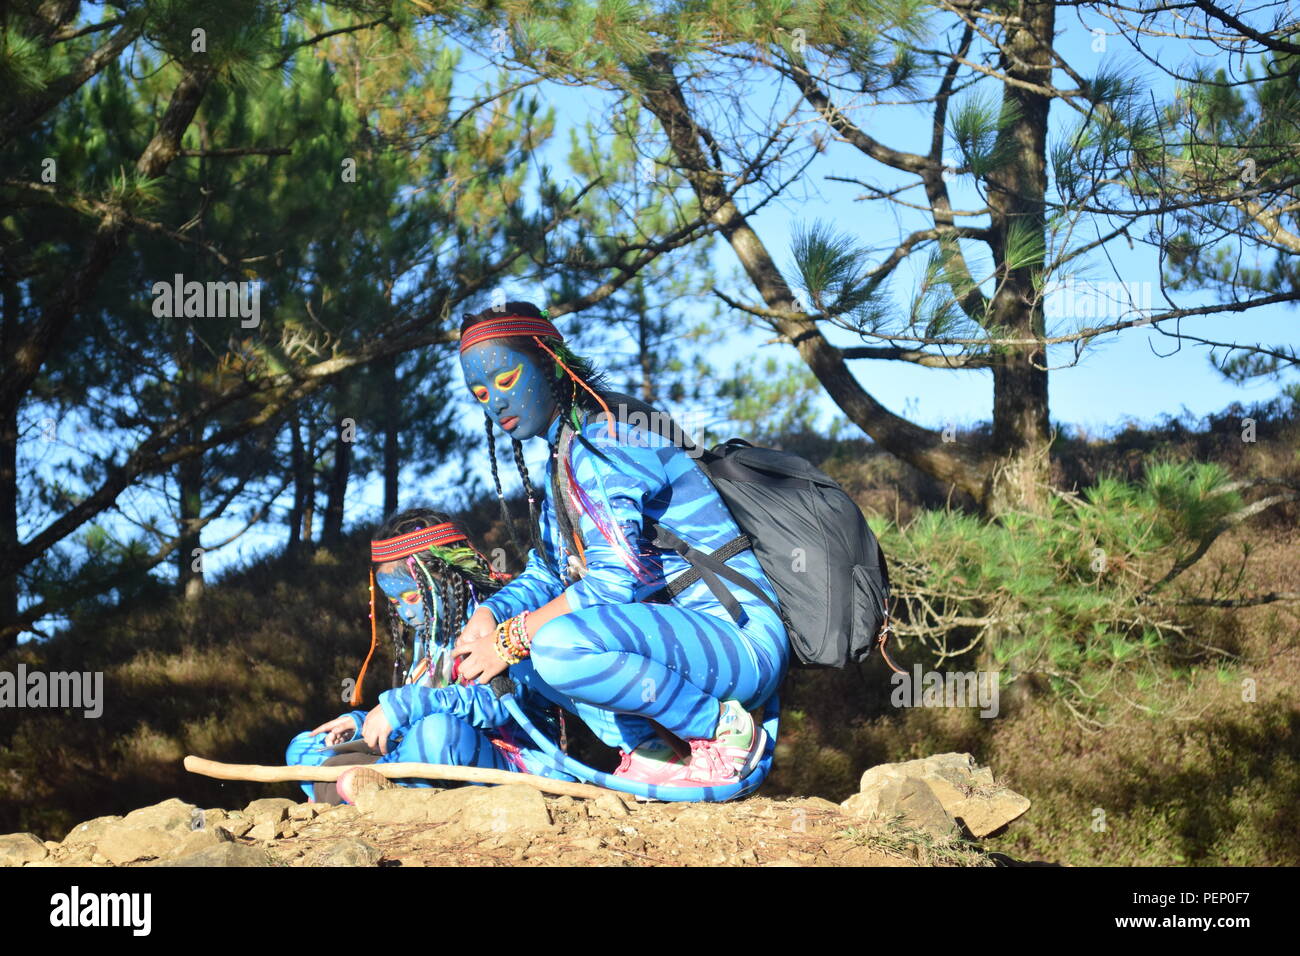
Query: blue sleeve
(537, 583)
(358, 718)
(473, 703)
(620, 484)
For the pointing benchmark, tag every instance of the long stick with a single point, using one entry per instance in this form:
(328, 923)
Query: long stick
(423, 771)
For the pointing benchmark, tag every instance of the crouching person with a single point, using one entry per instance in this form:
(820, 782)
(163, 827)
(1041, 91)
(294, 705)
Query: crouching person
(432, 579)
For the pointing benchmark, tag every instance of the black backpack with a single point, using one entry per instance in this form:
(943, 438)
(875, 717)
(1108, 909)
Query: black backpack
(813, 543)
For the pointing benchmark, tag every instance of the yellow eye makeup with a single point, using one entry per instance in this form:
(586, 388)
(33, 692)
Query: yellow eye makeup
(506, 380)
(480, 392)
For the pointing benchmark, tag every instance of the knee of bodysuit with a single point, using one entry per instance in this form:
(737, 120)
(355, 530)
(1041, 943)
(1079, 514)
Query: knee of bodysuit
(300, 746)
(439, 738)
(558, 645)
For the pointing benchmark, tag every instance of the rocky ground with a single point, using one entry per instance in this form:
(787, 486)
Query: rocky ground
(923, 812)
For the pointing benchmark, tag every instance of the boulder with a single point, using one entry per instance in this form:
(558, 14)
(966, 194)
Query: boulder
(237, 826)
(414, 804)
(908, 800)
(197, 840)
(17, 849)
(270, 809)
(509, 809)
(86, 834)
(173, 816)
(269, 830)
(224, 854)
(125, 844)
(967, 792)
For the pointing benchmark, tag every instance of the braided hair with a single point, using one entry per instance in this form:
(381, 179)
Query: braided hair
(458, 573)
(570, 400)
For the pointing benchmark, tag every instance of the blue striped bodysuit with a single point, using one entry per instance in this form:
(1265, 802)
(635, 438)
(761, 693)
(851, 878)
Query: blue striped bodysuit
(619, 664)
(461, 725)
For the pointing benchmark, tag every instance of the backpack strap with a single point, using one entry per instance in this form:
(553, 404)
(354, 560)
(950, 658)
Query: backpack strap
(711, 568)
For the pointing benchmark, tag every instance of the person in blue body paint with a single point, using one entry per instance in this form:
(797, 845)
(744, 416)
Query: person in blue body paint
(674, 686)
(431, 579)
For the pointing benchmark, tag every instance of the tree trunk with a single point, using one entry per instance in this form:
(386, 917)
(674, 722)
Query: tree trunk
(8, 521)
(392, 419)
(189, 566)
(332, 531)
(8, 475)
(1018, 476)
(646, 358)
(301, 477)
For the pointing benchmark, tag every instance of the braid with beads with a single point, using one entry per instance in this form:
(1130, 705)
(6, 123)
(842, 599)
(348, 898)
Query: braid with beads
(501, 496)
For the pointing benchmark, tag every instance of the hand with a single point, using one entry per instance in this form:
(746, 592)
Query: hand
(478, 657)
(376, 730)
(480, 624)
(337, 731)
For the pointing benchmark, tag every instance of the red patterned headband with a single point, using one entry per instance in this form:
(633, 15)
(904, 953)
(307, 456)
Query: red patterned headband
(414, 542)
(506, 326)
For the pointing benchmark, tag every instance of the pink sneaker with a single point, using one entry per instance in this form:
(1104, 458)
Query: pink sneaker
(654, 761)
(730, 756)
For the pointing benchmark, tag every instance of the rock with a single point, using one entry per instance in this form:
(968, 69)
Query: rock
(307, 811)
(414, 804)
(98, 858)
(966, 791)
(17, 849)
(87, 833)
(212, 818)
(237, 826)
(225, 854)
(607, 805)
(349, 851)
(172, 816)
(910, 800)
(986, 813)
(197, 840)
(508, 809)
(123, 844)
(270, 809)
(269, 830)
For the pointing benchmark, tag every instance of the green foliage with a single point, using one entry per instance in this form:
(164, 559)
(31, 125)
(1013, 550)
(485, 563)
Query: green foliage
(1069, 597)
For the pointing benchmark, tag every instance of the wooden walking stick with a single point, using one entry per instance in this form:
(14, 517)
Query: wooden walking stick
(399, 771)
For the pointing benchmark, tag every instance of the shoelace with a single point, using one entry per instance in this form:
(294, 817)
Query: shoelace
(705, 757)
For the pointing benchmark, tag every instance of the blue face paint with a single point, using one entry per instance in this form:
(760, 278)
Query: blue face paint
(402, 589)
(511, 386)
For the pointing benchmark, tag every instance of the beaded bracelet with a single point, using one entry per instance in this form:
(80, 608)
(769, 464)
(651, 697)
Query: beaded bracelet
(513, 644)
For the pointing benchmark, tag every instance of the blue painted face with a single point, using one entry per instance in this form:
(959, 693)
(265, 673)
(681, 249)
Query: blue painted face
(404, 595)
(511, 386)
